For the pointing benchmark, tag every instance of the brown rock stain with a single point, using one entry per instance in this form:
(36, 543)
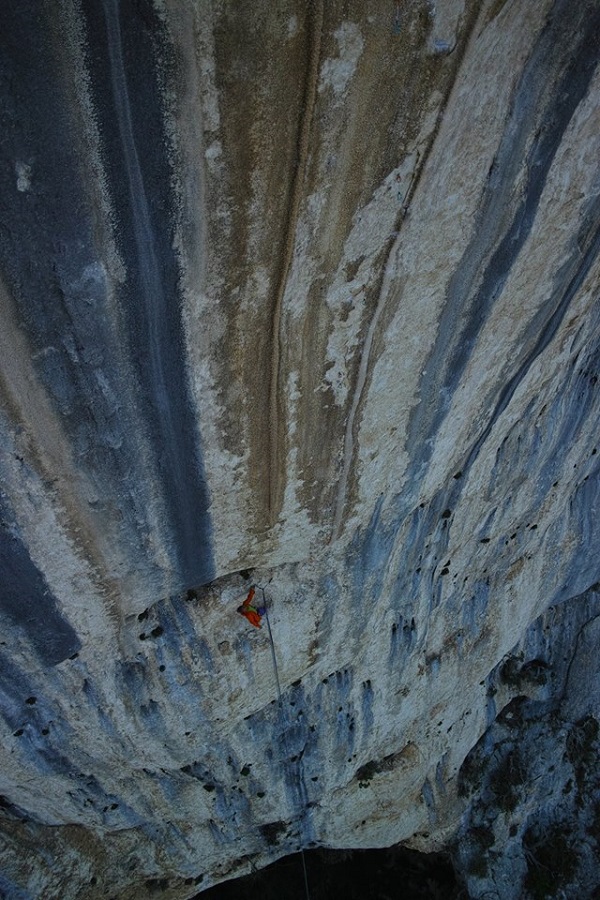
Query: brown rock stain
(260, 74)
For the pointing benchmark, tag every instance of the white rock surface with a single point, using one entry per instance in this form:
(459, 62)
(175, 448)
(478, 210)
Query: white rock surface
(303, 296)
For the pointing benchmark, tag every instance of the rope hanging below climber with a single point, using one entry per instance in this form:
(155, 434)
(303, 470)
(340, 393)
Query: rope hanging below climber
(254, 615)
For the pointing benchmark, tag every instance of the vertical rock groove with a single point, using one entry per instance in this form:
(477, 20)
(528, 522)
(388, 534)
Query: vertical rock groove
(532, 134)
(68, 367)
(275, 454)
(383, 292)
(571, 279)
(348, 451)
(156, 329)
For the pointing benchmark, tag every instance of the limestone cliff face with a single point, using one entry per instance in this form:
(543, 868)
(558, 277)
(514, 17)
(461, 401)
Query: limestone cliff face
(307, 289)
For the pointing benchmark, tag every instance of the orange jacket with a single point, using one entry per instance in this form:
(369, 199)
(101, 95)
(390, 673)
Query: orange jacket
(252, 615)
(249, 611)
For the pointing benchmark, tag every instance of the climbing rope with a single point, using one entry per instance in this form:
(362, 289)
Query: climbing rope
(273, 656)
(276, 670)
(305, 874)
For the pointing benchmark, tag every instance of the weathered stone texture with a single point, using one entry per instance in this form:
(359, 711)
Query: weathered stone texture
(301, 289)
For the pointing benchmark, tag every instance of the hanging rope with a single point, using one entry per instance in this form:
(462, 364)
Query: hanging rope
(305, 873)
(276, 670)
(274, 658)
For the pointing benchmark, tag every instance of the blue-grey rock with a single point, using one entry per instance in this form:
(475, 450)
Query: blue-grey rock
(295, 298)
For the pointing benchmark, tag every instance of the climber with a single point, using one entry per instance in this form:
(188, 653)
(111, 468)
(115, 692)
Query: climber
(253, 613)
